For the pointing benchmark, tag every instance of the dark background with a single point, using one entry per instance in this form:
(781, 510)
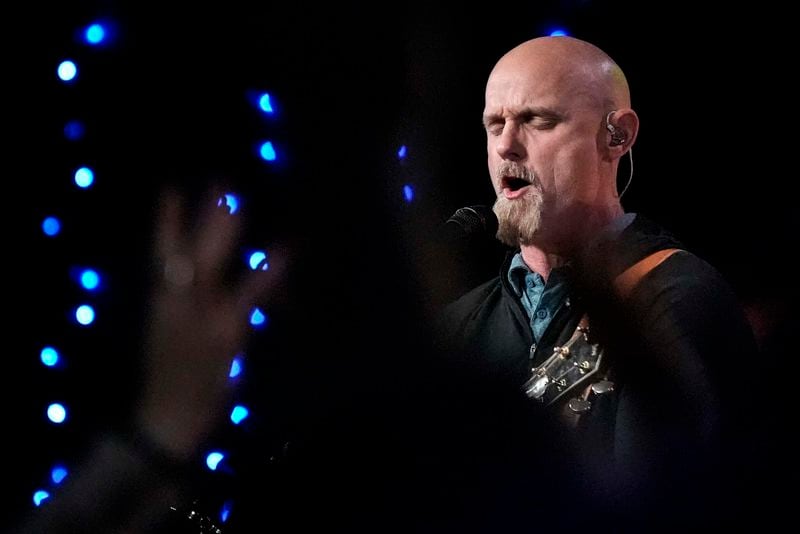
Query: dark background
(167, 102)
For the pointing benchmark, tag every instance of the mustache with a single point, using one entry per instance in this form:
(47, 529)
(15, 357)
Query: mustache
(516, 170)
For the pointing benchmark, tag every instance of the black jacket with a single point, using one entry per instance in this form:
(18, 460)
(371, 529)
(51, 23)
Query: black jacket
(669, 445)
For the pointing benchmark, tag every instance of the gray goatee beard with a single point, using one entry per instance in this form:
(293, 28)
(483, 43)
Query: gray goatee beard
(518, 219)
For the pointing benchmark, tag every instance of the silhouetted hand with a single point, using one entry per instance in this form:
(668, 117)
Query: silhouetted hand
(197, 322)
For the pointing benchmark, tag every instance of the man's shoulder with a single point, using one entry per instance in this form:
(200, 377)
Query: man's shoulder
(458, 313)
(639, 239)
(475, 297)
(685, 275)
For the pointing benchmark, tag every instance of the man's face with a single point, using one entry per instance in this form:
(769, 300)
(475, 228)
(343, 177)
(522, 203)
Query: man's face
(542, 142)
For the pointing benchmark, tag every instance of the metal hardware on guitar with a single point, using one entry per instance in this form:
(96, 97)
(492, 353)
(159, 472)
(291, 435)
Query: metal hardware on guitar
(194, 522)
(570, 365)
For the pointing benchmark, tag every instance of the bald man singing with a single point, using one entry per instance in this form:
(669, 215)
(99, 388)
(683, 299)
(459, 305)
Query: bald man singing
(598, 316)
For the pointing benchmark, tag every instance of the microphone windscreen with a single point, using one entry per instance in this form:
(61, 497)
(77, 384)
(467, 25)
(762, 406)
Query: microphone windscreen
(474, 220)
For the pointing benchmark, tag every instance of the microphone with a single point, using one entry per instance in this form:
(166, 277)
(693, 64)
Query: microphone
(471, 221)
(465, 252)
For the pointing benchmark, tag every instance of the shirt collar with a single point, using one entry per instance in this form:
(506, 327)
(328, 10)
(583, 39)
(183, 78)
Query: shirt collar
(517, 272)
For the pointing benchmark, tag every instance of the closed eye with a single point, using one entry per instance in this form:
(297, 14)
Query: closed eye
(545, 124)
(540, 121)
(538, 118)
(494, 127)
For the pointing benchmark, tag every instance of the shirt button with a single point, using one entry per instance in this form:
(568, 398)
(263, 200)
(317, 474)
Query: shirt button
(541, 314)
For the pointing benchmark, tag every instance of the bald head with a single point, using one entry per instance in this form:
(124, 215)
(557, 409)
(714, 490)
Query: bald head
(557, 118)
(568, 66)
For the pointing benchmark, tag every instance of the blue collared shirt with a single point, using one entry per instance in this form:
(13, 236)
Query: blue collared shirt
(540, 299)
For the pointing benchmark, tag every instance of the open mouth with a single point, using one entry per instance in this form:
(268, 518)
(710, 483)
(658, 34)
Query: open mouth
(513, 186)
(514, 183)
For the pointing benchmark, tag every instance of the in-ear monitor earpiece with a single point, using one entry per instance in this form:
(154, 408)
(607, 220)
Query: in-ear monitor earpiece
(617, 136)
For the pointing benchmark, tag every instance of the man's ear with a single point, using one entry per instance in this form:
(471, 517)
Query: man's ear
(622, 126)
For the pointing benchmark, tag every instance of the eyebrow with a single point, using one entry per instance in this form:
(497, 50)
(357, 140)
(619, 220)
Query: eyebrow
(529, 111)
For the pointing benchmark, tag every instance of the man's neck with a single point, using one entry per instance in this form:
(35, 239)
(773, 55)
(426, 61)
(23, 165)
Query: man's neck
(542, 259)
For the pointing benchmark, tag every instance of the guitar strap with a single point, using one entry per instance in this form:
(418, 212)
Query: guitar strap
(630, 277)
(624, 284)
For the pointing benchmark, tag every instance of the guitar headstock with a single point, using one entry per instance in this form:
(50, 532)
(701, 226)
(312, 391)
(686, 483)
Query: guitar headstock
(192, 521)
(570, 366)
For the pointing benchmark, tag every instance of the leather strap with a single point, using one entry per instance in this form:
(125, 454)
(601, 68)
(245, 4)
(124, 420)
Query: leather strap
(624, 284)
(628, 279)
